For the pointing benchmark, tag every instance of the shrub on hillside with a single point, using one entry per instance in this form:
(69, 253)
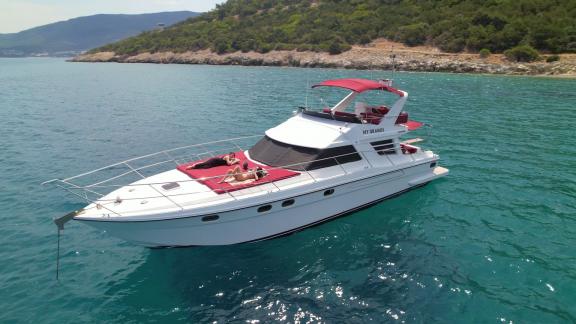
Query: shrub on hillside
(414, 34)
(522, 53)
(335, 48)
(484, 53)
(553, 58)
(221, 46)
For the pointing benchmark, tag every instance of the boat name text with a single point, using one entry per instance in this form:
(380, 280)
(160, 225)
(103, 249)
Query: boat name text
(373, 131)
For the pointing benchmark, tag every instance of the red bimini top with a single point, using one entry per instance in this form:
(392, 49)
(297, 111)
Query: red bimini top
(358, 85)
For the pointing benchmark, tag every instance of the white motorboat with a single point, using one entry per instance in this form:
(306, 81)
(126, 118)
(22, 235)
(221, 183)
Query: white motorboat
(319, 165)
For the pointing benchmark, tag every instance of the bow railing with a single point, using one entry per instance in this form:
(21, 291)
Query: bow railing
(93, 186)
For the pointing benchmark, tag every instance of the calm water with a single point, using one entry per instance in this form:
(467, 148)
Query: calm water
(494, 242)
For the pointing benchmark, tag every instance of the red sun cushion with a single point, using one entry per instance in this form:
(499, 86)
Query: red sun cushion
(413, 125)
(408, 149)
(220, 171)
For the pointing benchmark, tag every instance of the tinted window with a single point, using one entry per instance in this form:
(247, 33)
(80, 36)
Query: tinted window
(278, 154)
(347, 119)
(384, 147)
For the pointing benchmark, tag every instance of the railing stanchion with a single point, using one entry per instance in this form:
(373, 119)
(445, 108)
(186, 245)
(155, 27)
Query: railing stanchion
(170, 157)
(81, 188)
(237, 146)
(364, 157)
(136, 171)
(340, 165)
(88, 200)
(310, 175)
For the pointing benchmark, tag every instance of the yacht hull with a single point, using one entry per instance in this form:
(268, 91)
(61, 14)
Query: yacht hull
(249, 224)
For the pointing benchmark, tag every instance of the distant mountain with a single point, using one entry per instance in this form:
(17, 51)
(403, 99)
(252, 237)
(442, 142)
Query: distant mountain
(80, 34)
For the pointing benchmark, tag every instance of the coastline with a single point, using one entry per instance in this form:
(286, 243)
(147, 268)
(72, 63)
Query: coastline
(376, 55)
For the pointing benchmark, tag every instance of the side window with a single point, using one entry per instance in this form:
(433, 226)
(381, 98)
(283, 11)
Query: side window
(274, 153)
(384, 147)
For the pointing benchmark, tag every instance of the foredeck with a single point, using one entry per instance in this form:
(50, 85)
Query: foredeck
(154, 194)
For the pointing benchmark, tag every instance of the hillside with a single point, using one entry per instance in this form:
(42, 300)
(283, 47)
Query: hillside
(80, 34)
(334, 25)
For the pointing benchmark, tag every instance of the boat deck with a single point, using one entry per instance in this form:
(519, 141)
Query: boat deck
(212, 177)
(170, 191)
(174, 191)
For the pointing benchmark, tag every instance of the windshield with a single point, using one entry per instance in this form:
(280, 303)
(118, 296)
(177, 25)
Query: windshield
(293, 157)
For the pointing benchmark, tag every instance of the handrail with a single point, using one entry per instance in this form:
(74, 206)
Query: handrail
(73, 188)
(211, 178)
(156, 153)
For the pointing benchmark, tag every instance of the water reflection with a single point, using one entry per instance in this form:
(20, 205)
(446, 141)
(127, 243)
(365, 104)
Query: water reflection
(376, 264)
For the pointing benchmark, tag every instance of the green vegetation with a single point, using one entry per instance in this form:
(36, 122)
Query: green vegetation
(333, 25)
(522, 53)
(484, 53)
(553, 58)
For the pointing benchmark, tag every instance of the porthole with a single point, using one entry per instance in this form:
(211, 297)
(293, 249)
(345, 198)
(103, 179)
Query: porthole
(264, 208)
(328, 192)
(210, 218)
(288, 202)
(433, 164)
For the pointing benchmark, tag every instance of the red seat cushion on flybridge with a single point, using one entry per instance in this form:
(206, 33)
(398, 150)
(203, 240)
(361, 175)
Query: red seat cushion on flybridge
(413, 125)
(217, 173)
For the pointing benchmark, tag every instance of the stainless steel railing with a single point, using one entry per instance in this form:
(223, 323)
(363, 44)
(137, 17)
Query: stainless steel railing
(91, 192)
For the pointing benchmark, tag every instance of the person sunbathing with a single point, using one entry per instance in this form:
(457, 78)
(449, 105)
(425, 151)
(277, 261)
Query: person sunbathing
(236, 174)
(228, 159)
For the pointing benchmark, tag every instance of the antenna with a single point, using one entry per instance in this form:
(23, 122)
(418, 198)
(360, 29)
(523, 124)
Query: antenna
(307, 90)
(307, 87)
(393, 57)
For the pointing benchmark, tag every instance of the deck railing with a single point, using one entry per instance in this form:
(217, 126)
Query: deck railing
(93, 191)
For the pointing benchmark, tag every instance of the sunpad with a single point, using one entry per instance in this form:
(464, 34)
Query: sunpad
(211, 177)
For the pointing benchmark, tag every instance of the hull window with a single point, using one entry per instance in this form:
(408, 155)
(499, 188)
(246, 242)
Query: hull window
(384, 147)
(265, 208)
(328, 192)
(278, 154)
(288, 202)
(210, 218)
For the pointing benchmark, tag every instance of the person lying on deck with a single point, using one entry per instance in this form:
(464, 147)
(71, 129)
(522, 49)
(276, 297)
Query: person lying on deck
(228, 159)
(237, 175)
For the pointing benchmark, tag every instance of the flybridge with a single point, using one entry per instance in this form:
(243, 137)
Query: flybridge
(385, 117)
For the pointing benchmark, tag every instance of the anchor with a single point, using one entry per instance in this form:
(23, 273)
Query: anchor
(60, 221)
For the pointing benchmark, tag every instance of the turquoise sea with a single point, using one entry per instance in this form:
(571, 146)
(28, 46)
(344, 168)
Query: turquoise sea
(494, 242)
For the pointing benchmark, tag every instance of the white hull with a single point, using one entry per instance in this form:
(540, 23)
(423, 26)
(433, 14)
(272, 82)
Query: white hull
(247, 224)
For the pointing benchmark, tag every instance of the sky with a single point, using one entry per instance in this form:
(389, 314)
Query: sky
(18, 15)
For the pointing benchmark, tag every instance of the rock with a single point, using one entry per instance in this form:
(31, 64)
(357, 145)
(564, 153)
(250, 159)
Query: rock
(359, 57)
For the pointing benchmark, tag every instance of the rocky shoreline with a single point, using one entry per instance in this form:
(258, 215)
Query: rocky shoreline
(374, 56)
